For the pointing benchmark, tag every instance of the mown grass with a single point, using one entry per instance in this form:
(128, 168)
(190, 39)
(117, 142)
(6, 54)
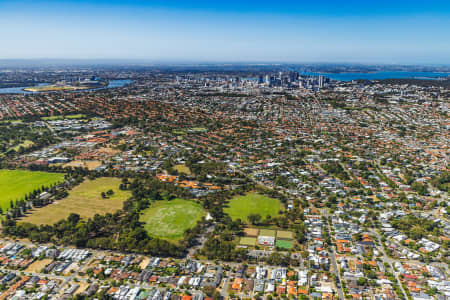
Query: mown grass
(170, 219)
(284, 244)
(247, 241)
(15, 184)
(240, 207)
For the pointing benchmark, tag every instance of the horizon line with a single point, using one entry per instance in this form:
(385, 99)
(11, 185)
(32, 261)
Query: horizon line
(216, 62)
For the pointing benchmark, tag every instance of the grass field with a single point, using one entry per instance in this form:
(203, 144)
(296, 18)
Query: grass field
(182, 169)
(15, 184)
(11, 121)
(169, 219)
(53, 118)
(178, 132)
(285, 235)
(241, 207)
(247, 241)
(283, 244)
(90, 164)
(85, 200)
(268, 232)
(198, 129)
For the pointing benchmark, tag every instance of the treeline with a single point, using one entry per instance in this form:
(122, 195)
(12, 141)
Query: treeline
(218, 248)
(116, 231)
(19, 207)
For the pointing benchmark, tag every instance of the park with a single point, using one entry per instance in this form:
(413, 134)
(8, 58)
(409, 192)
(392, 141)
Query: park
(85, 200)
(240, 207)
(169, 219)
(15, 184)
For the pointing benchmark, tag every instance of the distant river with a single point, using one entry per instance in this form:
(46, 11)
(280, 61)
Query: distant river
(380, 75)
(19, 90)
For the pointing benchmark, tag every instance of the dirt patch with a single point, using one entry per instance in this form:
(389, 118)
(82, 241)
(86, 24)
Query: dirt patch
(251, 231)
(144, 263)
(38, 265)
(108, 150)
(89, 164)
(83, 287)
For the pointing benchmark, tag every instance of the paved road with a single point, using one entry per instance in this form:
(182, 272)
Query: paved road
(336, 273)
(201, 240)
(224, 291)
(389, 261)
(333, 260)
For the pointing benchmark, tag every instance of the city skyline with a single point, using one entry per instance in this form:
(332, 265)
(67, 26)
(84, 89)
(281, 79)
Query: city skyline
(401, 33)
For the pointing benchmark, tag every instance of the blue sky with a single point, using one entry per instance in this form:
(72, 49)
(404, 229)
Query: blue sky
(254, 31)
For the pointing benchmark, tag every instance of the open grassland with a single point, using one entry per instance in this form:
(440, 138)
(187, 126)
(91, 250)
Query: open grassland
(285, 235)
(199, 129)
(241, 207)
(268, 232)
(247, 241)
(85, 200)
(182, 169)
(169, 219)
(52, 118)
(15, 184)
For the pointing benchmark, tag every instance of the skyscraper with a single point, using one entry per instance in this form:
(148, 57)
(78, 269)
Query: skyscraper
(261, 79)
(320, 81)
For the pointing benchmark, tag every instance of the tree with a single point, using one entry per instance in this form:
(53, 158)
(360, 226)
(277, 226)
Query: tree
(361, 281)
(73, 218)
(209, 290)
(420, 188)
(254, 218)
(216, 295)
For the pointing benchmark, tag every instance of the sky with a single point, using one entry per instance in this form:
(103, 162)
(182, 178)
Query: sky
(376, 31)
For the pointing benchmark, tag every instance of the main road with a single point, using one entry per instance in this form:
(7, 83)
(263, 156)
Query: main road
(333, 260)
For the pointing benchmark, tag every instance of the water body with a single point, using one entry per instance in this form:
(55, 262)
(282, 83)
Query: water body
(381, 75)
(20, 90)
